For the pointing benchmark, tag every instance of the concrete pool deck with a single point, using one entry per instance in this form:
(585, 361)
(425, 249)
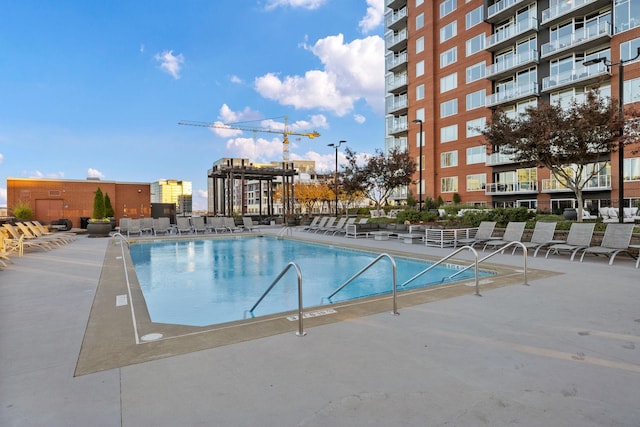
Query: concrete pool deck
(563, 351)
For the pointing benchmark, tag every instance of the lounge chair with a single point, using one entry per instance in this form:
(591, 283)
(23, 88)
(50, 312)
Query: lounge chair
(183, 225)
(513, 233)
(123, 228)
(68, 236)
(230, 223)
(484, 232)
(617, 238)
(542, 236)
(161, 225)
(248, 224)
(579, 237)
(216, 224)
(146, 226)
(16, 236)
(343, 229)
(28, 234)
(327, 225)
(134, 227)
(331, 229)
(319, 224)
(37, 232)
(197, 224)
(313, 223)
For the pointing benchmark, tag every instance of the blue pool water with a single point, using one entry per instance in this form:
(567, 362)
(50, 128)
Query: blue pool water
(210, 281)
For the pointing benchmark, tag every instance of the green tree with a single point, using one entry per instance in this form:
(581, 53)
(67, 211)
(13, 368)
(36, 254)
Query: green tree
(573, 143)
(98, 205)
(108, 209)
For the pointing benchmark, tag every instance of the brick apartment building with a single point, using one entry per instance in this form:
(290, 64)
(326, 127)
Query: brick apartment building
(450, 62)
(53, 199)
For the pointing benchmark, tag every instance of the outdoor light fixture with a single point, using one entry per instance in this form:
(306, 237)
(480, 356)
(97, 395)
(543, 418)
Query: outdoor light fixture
(620, 65)
(420, 167)
(336, 146)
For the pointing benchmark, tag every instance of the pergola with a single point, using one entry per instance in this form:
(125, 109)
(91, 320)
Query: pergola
(224, 181)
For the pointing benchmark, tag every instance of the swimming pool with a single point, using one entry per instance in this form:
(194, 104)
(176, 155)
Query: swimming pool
(210, 281)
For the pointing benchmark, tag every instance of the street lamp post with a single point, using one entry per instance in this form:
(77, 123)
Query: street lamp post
(419, 167)
(620, 65)
(336, 146)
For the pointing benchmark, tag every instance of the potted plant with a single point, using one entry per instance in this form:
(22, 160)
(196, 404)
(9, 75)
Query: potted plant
(99, 225)
(109, 212)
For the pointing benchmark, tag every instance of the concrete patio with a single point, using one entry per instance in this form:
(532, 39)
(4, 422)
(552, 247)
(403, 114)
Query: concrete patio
(564, 351)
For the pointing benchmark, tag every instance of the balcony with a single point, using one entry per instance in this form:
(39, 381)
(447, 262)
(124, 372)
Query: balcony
(394, 104)
(501, 9)
(583, 75)
(504, 35)
(396, 83)
(396, 20)
(395, 4)
(396, 125)
(496, 159)
(396, 41)
(586, 38)
(511, 95)
(564, 9)
(396, 62)
(597, 183)
(512, 64)
(524, 187)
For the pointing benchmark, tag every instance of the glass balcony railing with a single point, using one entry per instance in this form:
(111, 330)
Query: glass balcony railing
(572, 76)
(395, 103)
(501, 5)
(393, 39)
(392, 18)
(517, 92)
(593, 32)
(395, 81)
(512, 62)
(499, 159)
(505, 33)
(597, 183)
(393, 61)
(563, 7)
(512, 187)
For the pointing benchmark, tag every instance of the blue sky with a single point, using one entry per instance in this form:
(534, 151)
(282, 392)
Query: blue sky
(96, 88)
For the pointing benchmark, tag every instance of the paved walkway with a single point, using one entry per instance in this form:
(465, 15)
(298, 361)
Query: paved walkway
(564, 351)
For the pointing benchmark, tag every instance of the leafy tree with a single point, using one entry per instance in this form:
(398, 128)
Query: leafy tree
(380, 175)
(23, 211)
(310, 195)
(108, 209)
(572, 143)
(98, 205)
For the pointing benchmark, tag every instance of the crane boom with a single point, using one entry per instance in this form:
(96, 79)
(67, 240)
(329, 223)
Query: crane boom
(255, 129)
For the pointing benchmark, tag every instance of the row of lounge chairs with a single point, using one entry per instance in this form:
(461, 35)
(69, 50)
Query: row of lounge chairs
(184, 225)
(330, 225)
(616, 239)
(14, 239)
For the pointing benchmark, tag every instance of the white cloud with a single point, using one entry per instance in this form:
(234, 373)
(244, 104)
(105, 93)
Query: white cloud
(304, 4)
(258, 150)
(94, 173)
(142, 48)
(236, 79)
(227, 115)
(359, 118)
(374, 16)
(352, 71)
(39, 174)
(3, 197)
(170, 63)
(1, 158)
(199, 200)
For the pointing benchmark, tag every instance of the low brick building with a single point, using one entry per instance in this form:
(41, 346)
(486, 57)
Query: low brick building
(53, 199)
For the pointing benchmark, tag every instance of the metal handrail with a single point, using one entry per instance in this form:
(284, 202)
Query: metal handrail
(291, 264)
(475, 254)
(524, 253)
(118, 234)
(285, 230)
(378, 258)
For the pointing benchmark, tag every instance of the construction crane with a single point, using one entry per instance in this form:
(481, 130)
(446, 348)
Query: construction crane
(239, 126)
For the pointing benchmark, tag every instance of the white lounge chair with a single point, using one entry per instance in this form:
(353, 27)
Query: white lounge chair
(484, 233)
(579, 237)
(542, 236)
(616, 239)
(183, 225)
(513, 233)
(161, 225)
(197, 224)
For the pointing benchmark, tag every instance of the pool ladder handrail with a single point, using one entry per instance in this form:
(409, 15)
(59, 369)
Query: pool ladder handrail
(283, 231)
(432, 266)
(514, 243)
(122, 238)
(290, 265)
(365, 268)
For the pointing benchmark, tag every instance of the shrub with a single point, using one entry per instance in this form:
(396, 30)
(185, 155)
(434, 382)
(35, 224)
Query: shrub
(23, 211)
(108, 209)
(98, 205)
(414, 216)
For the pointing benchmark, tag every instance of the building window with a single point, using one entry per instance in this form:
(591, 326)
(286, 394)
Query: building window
(418, 139)
(446, 7)
(474, 17)
(476, 155)
(477, 182)
(449, 133)
(632, 91)
(449, 82)
(632, 169)
(448, 31)
(449, 108)
(476, 99)
(419, 21)
(476, 72)
(419, 2)
(420, 44)
(420, 92)
(448, 57)
(627, 15)
(475, 127)
(449, 184)
(420, 114)
(629, 49)
(449, 159)
(475, 44)
(419, 68)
